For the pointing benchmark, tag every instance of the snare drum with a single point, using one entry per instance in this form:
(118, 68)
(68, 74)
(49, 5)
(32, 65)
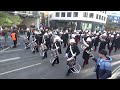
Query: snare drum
(71, 62)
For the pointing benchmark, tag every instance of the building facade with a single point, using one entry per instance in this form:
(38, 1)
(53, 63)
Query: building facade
(113, 20)
(80, 20)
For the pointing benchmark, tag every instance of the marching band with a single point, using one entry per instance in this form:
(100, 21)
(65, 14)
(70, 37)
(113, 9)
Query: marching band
(53, 40)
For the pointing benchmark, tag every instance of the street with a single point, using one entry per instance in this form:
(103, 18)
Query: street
(18, 63)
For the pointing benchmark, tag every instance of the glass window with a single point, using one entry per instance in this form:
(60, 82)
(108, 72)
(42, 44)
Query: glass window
(91, 15)
(99, 17)
(57, 14)
(75, 14)
(63, 14)
(115, 18)
(96, 16)
(85, 14)
(68, 14)
(102, 17)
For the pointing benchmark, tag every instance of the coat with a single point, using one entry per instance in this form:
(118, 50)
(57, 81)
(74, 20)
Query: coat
(75, 49)
(103, 67)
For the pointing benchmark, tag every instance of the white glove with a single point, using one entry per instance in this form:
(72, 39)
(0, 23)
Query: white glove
(57, 48)
(74, 55)
(66, 55)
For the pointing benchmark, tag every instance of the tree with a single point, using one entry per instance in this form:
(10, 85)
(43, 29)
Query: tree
(7, 19)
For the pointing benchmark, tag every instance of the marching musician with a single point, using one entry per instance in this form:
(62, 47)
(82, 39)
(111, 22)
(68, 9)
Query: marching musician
(86, 52)
(65, 38)
(110, 43)
(103, 42)
(96, 41)
(44, 45)
(72, 51)
(57, 47)
(117, 41)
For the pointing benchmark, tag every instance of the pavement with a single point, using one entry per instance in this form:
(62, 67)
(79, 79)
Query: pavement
(18, 63)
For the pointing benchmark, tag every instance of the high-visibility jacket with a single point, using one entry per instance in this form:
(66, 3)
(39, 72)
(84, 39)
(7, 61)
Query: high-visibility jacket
(13, 35)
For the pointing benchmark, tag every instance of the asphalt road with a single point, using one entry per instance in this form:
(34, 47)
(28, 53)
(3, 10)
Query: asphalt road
(18, 63)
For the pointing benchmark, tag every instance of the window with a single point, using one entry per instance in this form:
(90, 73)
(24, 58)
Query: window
(75, 14)
(115, 18)
(63, 14)
(57, 14)
(91, 15)
(102, 18)
(85, 14)
(97, 16)
(68, 14)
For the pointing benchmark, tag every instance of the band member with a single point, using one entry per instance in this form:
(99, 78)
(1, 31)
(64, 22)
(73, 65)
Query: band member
(44, 45)
(28, 33)
(111, 44)
(103, 65)
(116, 42)
(72, 51)
(96, 42)
(87, 50)
(102, 42)
(65, 38)
(57, 49)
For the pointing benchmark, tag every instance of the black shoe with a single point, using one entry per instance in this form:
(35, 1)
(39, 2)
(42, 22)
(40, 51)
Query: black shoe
(67, 74)
(44, 57)
(52, 64)
(33, 52)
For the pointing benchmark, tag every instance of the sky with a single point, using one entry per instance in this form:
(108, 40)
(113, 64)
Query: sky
(117, 12)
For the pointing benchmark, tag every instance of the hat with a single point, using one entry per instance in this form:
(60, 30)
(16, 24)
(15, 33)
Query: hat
(72, 40)
(112, 35)
(88, 39)
(97, 33)
(27, 29)
(73, 35)
(118, 35)
(45, 34)
(104, 34)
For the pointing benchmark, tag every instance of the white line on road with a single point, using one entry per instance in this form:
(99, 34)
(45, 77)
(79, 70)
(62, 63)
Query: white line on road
(14, 50)
(4, 49)
(10, 59)
(19, 69)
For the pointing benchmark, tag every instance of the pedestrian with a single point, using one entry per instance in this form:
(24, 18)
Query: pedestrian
(14, 38)
(103, 65)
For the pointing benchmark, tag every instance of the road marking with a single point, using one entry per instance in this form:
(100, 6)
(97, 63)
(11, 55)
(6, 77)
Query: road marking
(19, 69)
(13, 50)
(4, 49)
(10, 59)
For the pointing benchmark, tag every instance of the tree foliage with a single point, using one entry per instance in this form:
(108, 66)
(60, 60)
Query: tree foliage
(7, 19)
